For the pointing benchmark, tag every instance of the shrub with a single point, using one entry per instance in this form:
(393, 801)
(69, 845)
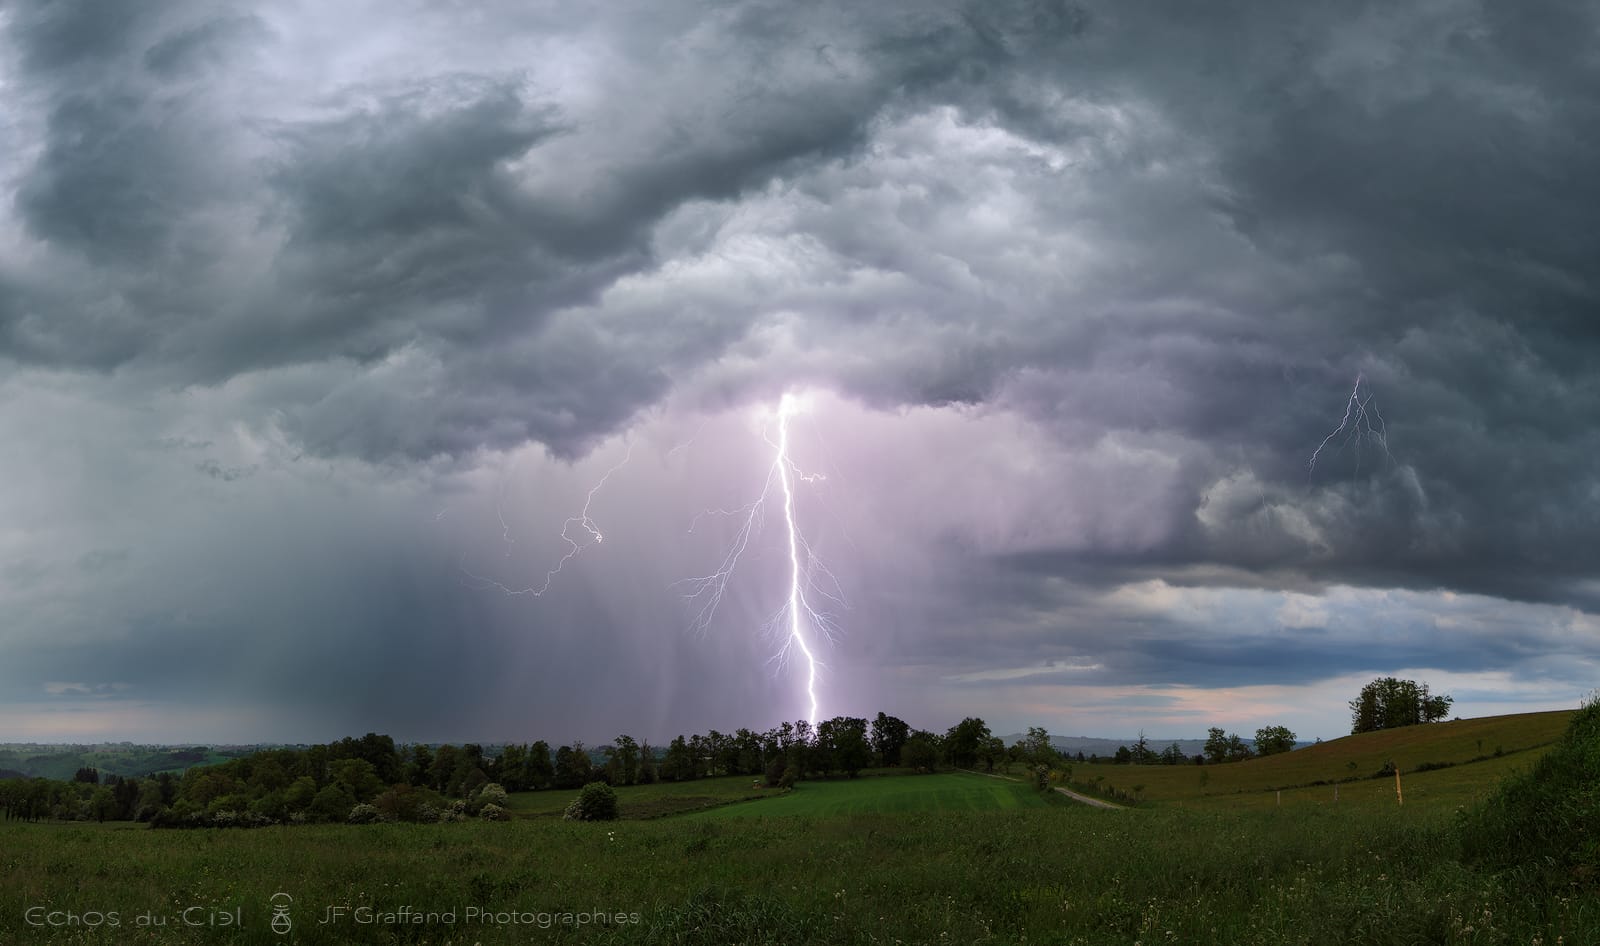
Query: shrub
(493, 812)
(1545, 822)
(596, 802)
(363, 814)
(492, 794)
(790, 776)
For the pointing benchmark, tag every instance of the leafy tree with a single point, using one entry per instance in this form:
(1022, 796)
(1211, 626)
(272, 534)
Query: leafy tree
(539, 772)
(445, 761)
(332, 803)
(357, 777)
(678, 764)
(419, 766)
(846, 737)
(1388, 703)
(512, 767)
(1173, 755)
(889, 736)
(1038, 747)
(1272, 740)
(1123, 756)
(1216, 748)
(572, 766)
(992, 751)
(627, 758)
(87, 776)
(920, 752)
(963, 742)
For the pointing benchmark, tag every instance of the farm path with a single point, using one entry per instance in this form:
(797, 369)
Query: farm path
(1085, 799)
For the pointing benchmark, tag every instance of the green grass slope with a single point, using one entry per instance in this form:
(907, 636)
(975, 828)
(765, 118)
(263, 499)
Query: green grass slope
(910, 794)
(636, 802)
(1499, 744)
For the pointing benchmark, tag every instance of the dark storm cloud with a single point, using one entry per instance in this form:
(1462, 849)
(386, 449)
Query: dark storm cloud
(1146, 250)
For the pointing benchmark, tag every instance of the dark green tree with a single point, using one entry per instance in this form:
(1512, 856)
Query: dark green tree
(889, 736)
(1272, 740)
(964, 740)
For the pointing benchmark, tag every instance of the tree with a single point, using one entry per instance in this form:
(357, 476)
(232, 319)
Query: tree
(889, 736)
(572, 766)
(846, 736)
(992, 750)
(1388, 703)
(678, 765)
(965, 739)
(1142, 754)
(1173, 755)
(627, 757)
(512, 767)
(1039, 749)
(539, 772)
(1123, 756)
(1272, 740)
(1216, 748)
(921, 751)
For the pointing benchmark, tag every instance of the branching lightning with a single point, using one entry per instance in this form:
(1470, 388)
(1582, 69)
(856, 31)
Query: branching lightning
(798, 622)
(1357, 425)
(575, 546)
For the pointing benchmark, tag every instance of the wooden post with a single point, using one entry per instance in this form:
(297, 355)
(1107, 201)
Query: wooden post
(1398, 797)
(1336, 793)
(1280, 798)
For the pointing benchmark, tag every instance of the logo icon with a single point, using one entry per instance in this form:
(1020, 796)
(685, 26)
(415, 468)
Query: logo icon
(280, 923)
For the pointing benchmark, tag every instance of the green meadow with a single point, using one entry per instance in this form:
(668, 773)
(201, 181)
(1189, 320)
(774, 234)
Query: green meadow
(883, 859)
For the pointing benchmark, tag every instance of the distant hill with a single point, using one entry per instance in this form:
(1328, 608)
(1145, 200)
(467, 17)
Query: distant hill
(36, 760)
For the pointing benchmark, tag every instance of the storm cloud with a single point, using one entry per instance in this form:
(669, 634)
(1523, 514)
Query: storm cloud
(309, 314)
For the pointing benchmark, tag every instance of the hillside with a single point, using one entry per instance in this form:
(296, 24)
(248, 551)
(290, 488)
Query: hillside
(1448, 761)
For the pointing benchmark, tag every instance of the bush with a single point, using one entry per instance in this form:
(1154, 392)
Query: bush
(596, 802)
(1545, 822)
(790, 776)
(492, 794)
(363, 814)
(493, 812)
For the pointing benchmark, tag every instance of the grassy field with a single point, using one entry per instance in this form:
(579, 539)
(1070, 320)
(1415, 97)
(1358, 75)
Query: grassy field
(951, 858)
(640, 802)
(911, 794)
(1055, 874)
(1518, 739)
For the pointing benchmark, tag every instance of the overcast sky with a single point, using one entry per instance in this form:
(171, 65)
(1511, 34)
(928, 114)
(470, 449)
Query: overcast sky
(318, 321)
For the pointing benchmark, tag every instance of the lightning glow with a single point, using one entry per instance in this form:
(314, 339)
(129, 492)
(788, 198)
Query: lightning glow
(1356, 426)
(802, 623)
(574, 546)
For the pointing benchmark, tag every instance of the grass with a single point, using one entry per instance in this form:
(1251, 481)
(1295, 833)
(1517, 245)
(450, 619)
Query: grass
(918, 859)
(916, 794)
(1519, 739)
(1054, 874)
(639, 802)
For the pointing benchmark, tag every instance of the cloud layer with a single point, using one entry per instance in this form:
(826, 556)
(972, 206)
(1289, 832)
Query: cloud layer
(301, 305)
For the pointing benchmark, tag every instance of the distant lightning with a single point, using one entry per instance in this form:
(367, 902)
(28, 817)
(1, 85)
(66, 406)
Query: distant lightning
(574, 545)
(1360, 412)
(806, 571)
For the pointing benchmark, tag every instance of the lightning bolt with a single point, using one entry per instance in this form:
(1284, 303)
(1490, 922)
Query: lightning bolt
(802, 622)
(575, 547)
(1356, 425)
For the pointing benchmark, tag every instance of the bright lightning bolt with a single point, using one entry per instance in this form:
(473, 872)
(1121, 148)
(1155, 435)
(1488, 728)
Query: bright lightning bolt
(574, 546)
(1357, 425)
(797, 615)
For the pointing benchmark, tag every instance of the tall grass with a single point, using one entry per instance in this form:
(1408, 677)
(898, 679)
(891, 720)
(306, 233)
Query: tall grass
(1050, 875)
